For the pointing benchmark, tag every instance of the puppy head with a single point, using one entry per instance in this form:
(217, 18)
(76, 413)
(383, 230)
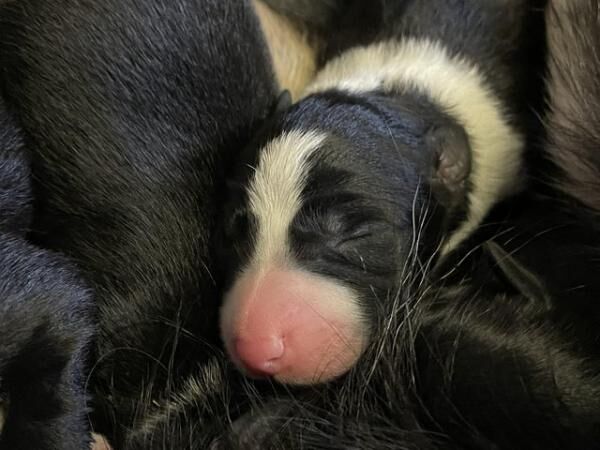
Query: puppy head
(325, 213)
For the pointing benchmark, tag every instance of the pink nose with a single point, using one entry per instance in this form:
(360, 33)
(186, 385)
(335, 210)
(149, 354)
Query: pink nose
(260, 357)
(293, 326)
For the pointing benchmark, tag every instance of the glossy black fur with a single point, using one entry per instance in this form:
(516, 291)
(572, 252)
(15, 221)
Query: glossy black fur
(558, 218)
(469, 367)
(373, 185)
(496, 359)
(132, 108)
(479, 363)
(358, 205)
(45, 324)
(468, 370)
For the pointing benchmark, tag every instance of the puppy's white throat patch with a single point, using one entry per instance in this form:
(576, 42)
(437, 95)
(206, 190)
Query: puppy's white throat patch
(459, 89)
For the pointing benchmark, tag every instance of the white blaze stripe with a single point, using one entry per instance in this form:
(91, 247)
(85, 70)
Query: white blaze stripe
(459, 89)
(275, 193)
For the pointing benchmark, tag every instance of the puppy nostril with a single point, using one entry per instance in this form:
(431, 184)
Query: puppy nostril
(261, 356)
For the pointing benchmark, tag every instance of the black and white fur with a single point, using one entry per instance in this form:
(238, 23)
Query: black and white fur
(420, 127)
(474, 366)
(45, 323)
(462, 368)
(132, 109)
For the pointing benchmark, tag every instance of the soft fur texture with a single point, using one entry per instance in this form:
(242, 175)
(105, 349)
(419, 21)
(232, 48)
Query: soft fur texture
(492, 362)
(133, 109)
(476, 365)
(574, 92)
(45, 322)
(421, 135)
(456, 85)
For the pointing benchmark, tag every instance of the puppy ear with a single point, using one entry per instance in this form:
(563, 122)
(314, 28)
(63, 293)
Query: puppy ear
(523, 280)
(450, 164)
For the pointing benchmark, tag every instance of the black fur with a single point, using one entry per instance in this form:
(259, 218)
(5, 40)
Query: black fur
(45, 322)
(132, 109)
(506, 358)
(468, 370)
(375, 187)
(482, 364)
(558, 218)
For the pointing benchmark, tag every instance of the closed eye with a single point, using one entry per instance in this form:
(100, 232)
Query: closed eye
(356, 236)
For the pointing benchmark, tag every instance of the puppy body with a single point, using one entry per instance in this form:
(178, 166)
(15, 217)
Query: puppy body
(133, 109)
(44, 322)
(400, 145)
(474, 366)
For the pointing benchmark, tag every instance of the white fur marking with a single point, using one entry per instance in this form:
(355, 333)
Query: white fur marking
(196, 390)
(275, 193)
(457, 86)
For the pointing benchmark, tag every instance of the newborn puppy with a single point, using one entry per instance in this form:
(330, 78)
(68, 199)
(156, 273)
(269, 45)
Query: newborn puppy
(133, 108)
(487, 364)
(44, 322)
(400, 146)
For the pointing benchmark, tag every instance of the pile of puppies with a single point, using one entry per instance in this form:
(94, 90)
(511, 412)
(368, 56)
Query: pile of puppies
(401, 252)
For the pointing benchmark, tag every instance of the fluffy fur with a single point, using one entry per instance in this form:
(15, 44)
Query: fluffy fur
(45, 324)
(455, 85)
(574, 92)
(489, 362)
(422, 136)
(133, 109)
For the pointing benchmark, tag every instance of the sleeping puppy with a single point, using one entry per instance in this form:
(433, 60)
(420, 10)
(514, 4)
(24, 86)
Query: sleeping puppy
(133, 108)
(45, 322)
(401, 145)
(476, 366)
(508, 358)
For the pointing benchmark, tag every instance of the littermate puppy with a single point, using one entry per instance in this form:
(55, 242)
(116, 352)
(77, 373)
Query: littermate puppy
(133, 108)
(293, 47)
(45, 322)
(559, 217)
(400, 146)
(573, 130)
